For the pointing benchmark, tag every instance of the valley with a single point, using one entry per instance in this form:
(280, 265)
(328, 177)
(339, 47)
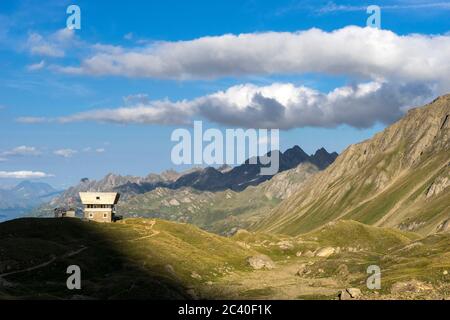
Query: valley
(157, 259)
(313, 231)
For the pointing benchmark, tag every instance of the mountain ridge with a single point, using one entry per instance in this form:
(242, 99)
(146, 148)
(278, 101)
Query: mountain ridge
(203, 179)
(381, 181)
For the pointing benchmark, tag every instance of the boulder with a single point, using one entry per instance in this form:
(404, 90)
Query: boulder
(349, 294)
(285, 245)
(308, 254)
(355, 293)
(301, 269)
(261, 261)
(195, 275)
(344, 295)
(325, 252)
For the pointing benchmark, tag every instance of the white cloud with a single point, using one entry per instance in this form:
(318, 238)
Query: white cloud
(136, 98)
(23, 175)
(279, 105)
(22, 151)
(158, 112)
(36, 66)
(368, 52)
(53, 45)
(333, 7)
(65, 153)
(390, 73)
(31, 120)
(100, 150)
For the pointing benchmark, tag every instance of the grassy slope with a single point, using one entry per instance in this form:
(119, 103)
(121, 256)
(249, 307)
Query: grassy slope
(217, 212)
(382, 181)
(130, 259)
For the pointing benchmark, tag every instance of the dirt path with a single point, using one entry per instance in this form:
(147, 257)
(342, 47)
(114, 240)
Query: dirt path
(44, 264)
(279, 283)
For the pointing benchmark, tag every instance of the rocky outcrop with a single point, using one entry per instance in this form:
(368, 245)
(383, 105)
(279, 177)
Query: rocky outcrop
(325, 252)
(261, 262)
(350, 294)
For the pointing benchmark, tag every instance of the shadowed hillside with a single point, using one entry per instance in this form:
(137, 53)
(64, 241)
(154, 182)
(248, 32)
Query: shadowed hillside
(139, 259)
(155, 259)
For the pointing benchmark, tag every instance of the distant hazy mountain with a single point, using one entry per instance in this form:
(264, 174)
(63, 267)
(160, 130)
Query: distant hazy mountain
(399, 178)
(23, 197)
(26, 194)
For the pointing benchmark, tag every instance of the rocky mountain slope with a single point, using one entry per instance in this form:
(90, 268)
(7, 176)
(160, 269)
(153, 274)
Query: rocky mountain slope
(204, 179)
(245, 175)
(399, 178)
(223, 211)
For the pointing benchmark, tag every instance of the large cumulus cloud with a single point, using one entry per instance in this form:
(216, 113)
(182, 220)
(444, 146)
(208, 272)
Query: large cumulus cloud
(366, 52)
(280, 105)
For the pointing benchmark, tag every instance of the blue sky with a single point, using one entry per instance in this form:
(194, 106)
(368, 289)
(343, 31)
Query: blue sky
(177, 51)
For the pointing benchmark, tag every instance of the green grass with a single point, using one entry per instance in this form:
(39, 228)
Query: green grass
(131, 259)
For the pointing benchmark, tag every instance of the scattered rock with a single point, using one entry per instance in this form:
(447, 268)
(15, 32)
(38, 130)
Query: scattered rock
(344, 295)
(414, 286)
(298, 254)
(325, 252)
(445, 272)
(349, 294)
(261, 261)
(285, 245)
(309, 254)
(174, 202)
(439, 185)
(195, 275)
(355, 293)
(243, 244)
(301, 269)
